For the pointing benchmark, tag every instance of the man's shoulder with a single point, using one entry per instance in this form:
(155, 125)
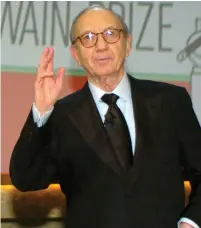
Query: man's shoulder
(151, 87)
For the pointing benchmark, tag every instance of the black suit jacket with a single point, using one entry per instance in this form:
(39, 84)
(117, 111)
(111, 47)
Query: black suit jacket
(72, 148)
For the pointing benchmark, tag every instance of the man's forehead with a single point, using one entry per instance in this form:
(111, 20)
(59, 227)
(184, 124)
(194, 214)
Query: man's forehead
(98, 28)
(94, 21)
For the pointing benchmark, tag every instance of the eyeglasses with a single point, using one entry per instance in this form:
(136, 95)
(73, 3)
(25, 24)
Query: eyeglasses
(110, 35)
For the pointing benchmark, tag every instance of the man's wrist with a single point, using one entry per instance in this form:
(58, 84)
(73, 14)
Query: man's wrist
(42, 113)
(39, 119)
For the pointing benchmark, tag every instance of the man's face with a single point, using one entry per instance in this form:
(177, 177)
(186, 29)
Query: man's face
(103, 59)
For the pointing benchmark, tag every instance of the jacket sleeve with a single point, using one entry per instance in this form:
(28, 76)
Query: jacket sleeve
(189, 135)
(33, 164)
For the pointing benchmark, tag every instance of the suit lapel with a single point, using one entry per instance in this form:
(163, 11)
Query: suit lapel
(146, 109)
(86, 118)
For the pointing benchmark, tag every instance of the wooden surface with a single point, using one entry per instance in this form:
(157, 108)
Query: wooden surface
(39, 209)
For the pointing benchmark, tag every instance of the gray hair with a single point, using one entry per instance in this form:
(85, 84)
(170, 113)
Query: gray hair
(97, 7)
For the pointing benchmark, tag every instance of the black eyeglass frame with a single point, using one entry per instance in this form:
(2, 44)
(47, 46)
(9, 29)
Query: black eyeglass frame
(96, 34)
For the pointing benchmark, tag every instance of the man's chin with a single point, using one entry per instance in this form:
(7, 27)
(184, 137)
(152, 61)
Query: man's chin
(102, 72)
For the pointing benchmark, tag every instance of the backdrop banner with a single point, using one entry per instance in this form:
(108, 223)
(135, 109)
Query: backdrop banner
(166, 46)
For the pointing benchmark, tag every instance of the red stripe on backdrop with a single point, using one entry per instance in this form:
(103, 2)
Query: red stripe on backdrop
(17, 98)
(183, 84)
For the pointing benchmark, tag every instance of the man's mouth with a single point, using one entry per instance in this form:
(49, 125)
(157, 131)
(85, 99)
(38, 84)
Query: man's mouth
(103, 59)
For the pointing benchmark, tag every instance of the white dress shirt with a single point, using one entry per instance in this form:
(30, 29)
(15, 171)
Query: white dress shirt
(125, 104)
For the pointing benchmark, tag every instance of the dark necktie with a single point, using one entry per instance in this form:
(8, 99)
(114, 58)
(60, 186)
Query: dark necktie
(117, 130)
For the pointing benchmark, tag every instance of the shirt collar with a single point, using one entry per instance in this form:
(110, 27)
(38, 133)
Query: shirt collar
(122, 90)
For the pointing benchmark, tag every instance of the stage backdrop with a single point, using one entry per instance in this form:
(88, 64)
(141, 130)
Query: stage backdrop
(166, 46)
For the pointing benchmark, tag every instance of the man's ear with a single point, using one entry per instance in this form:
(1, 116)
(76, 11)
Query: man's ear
(128, 45)
(73, 52)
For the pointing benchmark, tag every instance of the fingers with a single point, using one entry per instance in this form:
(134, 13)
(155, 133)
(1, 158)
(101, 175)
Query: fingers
(58, 80)
(60, 77)
(44, 55)
(46, 58)
(45, 67)
(43, 75)
(50, 58)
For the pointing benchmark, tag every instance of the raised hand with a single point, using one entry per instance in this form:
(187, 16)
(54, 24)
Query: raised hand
(47, 86)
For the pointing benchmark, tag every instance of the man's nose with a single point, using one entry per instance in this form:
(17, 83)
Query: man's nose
(101, 43)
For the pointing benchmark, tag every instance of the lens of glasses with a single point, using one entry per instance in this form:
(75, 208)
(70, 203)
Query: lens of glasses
(88, 39)
(109, 35)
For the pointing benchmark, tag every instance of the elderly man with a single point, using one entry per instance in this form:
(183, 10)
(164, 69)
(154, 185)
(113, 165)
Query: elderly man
(119, 147)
